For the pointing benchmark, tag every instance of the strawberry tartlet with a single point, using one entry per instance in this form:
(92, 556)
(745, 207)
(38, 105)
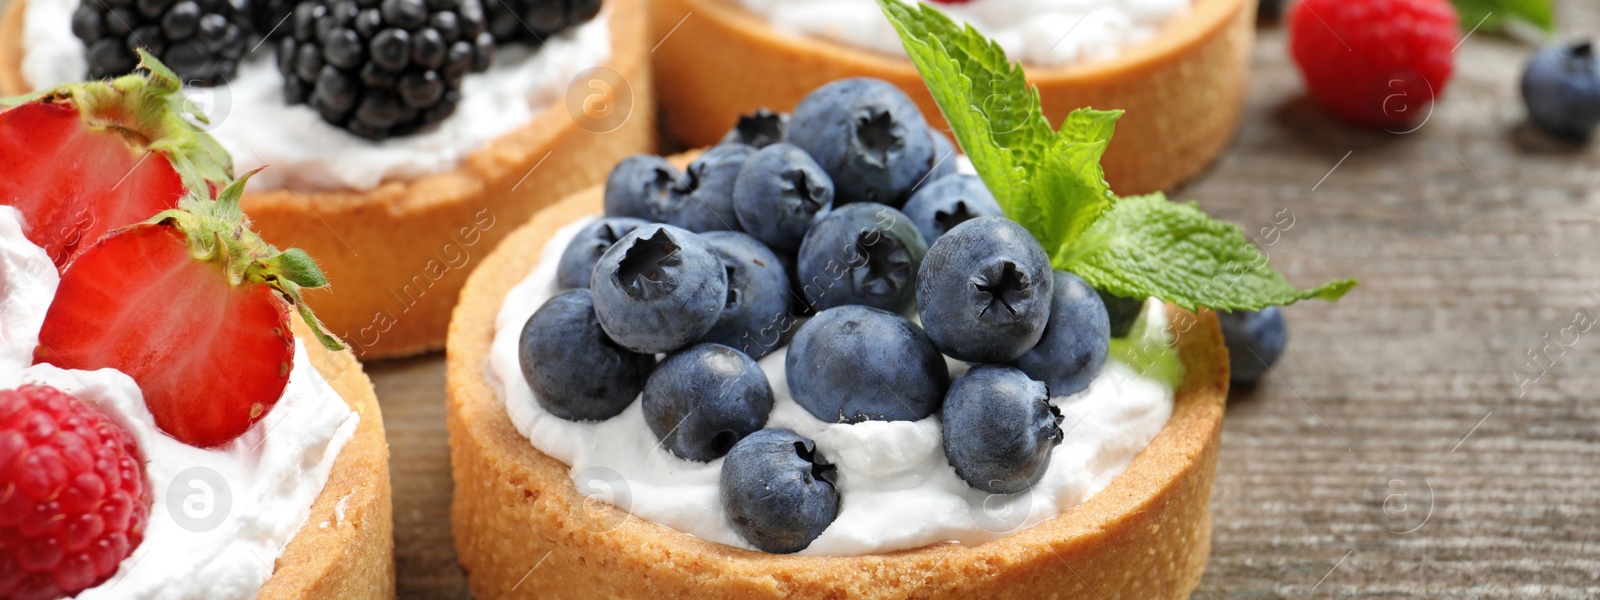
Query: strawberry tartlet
(396, 135)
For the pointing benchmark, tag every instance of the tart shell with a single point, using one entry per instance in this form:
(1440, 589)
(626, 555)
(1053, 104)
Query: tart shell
(398, 254)
(1183, 91)
(522, 529)
(345, 549)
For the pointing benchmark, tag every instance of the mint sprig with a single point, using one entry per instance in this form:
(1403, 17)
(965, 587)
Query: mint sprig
(1495, 14)
(1051, 182)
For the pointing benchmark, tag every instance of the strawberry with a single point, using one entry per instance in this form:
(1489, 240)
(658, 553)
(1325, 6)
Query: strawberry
(193, 306)
(86, 158)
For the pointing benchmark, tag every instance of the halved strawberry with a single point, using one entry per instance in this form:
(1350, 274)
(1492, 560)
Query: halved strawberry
(86, 158)
(195, 308)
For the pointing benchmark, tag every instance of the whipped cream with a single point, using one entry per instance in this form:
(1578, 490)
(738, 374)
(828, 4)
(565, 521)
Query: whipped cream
(1036, 32)
(251, 120)
(219, 517)
(896, 489)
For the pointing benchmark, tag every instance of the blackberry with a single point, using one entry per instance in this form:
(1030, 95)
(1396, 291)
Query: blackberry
(270, 18)
(531, 21)
(383, 68)
(200, 40)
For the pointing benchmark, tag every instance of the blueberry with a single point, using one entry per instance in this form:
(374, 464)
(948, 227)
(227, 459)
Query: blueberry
(578, 260)
(756, 318)
(944, 157)
(703, 399)
(945, 203)
(659, 288)
(868, 135)
(865, 254)
(984, 291)
(779, 194)
(641, 186)
(999, 429)
(576, 371)
(854, 363)
(777, 491)
(1121, 311)
(704, 201)
(1076, 340)
(760, 129)
(1561, 87)
(1255, 341)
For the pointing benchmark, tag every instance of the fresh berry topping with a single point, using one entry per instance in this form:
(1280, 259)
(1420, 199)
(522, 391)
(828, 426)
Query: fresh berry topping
(999, 429)
(759, 129)
(1561, 88)
(947, 202)
(869, 137)
(270, 18)
(756, 318)
(779, 194)
(1375, 62)
(853, 363)
(1255, 341)
(585, 249)
(705, 398)
(705, 198)
(195, 308)
(659, 288)
(132, 156)
(73, 497)
(1076, 340)
(778, 491)
(532, 22)
(200, 40)
(984, 291)
(577, 372)
(643, 186)
(864, 253)
(383, 68)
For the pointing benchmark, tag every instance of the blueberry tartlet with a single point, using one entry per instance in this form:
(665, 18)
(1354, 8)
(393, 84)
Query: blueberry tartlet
(400, 138)
(1178, 67)
(855, 372)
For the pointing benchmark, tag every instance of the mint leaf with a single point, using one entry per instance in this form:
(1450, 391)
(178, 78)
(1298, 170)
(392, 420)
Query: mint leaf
(1148, 246)
(1049, 182)
(1052, 184)
(1494, 14)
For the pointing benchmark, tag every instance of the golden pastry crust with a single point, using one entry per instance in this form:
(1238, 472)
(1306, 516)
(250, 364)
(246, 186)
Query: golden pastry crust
(522, 529)
(398, 254)
(1183, 90)
(346, 547)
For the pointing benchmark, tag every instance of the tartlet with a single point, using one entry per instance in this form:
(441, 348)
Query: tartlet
(1183, 91)
(352, 556)
(399, 253)
(523, 530)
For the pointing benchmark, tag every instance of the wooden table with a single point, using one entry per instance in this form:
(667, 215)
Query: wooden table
(1473, 238)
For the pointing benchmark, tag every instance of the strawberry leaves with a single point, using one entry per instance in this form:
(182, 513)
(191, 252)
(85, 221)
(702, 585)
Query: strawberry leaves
(1051, 182)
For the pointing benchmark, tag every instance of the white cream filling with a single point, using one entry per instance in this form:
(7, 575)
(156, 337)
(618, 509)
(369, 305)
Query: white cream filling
(897, 491)
(1036, 32)
(219, 518)
(251, 120)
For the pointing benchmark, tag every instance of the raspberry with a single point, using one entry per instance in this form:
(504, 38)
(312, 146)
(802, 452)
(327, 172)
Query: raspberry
(73, 497)
(1375, 62)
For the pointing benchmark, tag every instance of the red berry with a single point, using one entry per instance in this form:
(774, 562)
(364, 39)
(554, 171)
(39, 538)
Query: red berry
(1375, 62)
(54, 539)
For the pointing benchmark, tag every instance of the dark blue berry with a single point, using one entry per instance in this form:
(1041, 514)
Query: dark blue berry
(854, 363)
(779, 195)
(641, 186)
(704, 200)
(1255, 341)
(756, 318)
(778, 491)
(984, 291)
(703, 399)
(1561, 88)
(575, 370)
(759, 129)
(1075, 342)
(999, 429)
(863, 253)
(658, 289)
(947, 202)
(869, 137)
(586, 248)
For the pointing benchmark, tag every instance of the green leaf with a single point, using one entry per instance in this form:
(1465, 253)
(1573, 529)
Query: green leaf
(1494, 14)
(1147, 246)
(1051, 182)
